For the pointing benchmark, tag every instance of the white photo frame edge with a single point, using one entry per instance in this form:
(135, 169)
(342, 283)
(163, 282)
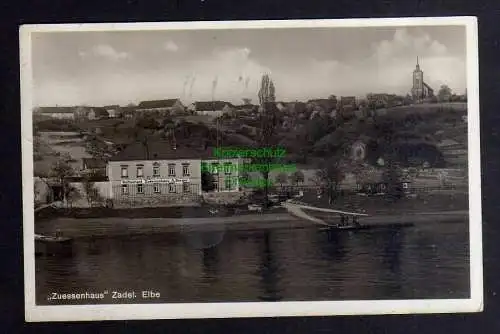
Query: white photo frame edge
(35, 313)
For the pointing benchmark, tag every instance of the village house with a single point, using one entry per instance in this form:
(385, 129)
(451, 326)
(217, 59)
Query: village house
(97, 113)
(213, 108)
(113, 111)
(160, 107)
(159, 173)
(246, 109)
(57, 112)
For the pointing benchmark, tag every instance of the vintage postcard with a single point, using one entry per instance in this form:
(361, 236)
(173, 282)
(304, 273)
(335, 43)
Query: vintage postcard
(251, 169)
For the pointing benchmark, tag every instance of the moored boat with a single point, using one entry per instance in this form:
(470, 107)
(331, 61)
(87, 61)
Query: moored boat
(52, 245)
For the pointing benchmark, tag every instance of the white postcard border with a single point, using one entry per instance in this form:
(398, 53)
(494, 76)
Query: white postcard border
(36, 313)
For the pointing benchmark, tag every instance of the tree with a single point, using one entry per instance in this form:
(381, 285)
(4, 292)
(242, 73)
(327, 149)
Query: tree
(392, 177)
(61, 170)
(72, 194)
(147, 122)
(444, 94)
(296, 178)
(268, 123)
(331, 175)
(281, 178)
(97, 149)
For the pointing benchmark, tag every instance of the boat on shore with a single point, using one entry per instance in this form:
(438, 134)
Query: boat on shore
(52, 245)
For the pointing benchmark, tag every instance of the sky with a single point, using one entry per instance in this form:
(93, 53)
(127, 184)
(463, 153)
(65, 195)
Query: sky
(118, 67)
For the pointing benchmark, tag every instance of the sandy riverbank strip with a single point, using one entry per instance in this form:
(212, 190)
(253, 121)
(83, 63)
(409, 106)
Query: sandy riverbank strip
(101, 227)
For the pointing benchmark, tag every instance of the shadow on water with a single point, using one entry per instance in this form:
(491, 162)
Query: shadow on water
(269, 269)
(210, 262)
(333, 243)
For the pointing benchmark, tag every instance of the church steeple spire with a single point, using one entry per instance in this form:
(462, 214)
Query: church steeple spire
(418, 66)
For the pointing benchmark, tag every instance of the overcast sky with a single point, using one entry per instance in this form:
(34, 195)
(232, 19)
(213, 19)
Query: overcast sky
(98, 68)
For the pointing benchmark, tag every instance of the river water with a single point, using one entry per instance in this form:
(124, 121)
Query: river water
(427, 261)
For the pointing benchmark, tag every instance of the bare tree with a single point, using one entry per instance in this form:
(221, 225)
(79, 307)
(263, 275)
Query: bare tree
(61, 170)
(332, 174)
(281, 178)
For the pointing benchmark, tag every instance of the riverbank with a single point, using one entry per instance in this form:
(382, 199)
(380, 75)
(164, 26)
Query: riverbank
(114, 226)
(373, 206)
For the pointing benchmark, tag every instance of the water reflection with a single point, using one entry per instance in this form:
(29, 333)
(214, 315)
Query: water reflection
(269, 265)
(269, 269)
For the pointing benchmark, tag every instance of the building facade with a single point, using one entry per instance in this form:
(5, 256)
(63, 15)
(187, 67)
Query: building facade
(420, 90)
(163, 174)
(160, 107)
(212, 108)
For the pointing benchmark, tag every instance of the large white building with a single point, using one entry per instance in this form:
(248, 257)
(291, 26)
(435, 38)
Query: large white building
(161, 172)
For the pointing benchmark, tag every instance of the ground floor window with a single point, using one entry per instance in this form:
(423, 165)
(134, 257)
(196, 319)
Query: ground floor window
(171, 188)
(216, 186)
(140, 188)
(186, 187)
(156, 188)
(228, 184)
(124, 189)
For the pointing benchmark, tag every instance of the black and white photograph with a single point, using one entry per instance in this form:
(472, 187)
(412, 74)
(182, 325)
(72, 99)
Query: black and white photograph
(251, 169)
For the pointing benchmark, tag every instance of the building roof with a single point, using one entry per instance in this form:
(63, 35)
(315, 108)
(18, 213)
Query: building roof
(93, 163)
(160, 150)
(100, 112)
(428, 87)
(211, 105)
(169, 103)
(57, 110)
(114, 106)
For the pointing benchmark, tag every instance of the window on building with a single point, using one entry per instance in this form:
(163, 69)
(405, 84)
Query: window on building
(227, 168)
(186, 187)
(171, 188)
(124, 189)
(216, 186)
(185, 170)
(156, 188)
(228, 184)
(171, 169)
(140, 188)
(140, 171)
(156, 169)
(405, 185)
(215, 168)
(124, 171)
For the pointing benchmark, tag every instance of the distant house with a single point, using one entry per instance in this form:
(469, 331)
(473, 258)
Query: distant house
(296, 107)
(81, 113)
(57, 112)
(214, 108)
(128, 112)
(246, 108)
(160, 107)
(348, 101)
(113, 111)
(281, 106)
(97, 113)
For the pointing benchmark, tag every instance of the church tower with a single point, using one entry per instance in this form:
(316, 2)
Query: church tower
(418, 83)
